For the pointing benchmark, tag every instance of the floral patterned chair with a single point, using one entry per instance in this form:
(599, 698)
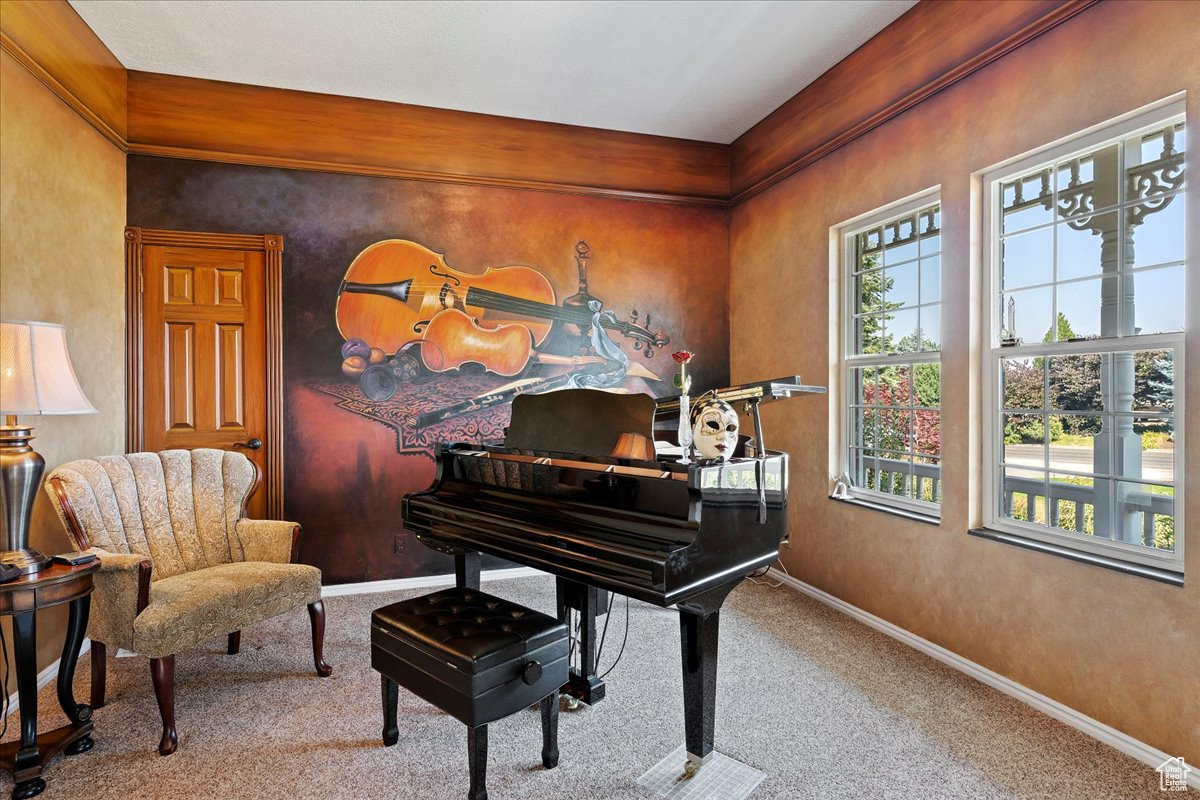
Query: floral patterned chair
(179, 561)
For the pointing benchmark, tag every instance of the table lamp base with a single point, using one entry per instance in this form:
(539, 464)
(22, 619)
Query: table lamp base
(20, 476)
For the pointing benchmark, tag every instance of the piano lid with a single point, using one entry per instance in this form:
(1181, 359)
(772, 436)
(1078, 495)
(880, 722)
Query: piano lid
(591, 421)
(588, 421)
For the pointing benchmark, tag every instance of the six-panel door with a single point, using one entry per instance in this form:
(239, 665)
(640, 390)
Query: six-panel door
(204, 351)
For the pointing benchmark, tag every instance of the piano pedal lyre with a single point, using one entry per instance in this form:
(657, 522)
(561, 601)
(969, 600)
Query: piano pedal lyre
(565, 703)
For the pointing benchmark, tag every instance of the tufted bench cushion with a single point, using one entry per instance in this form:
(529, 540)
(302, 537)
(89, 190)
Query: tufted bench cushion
(470, 653)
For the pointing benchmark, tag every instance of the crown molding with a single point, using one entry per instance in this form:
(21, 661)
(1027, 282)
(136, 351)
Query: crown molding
(52, 42)
(192, 118)
(929, 48)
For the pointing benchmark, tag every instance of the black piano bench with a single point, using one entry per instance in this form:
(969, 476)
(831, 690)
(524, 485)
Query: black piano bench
(478, 658)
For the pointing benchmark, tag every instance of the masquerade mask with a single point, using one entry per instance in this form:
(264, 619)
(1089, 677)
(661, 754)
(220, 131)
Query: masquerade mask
(714, 429)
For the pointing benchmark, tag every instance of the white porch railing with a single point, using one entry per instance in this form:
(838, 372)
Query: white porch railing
(1080, 500)
(893, 476)
(1068, 503)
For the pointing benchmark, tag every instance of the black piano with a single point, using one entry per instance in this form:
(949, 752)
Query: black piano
(668, 533)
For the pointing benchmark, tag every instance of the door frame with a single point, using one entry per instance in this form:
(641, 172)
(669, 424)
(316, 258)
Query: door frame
(271, 246)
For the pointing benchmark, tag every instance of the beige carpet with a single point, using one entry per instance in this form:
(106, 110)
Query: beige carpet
(827, 707)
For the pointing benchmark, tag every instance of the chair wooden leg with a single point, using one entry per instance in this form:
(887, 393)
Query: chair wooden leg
(316, 615)
(162, 670)
(391, 698)
(550, 730)
(477, 757)
(99, 674)
(235, 643)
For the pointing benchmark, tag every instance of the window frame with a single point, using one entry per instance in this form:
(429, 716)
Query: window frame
(1120, 129)
(847, 362)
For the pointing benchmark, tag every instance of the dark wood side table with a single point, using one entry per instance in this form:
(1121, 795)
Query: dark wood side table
(20, 598)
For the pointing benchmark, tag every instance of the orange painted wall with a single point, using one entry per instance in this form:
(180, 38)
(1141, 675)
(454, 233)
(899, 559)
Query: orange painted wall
(1121, 649)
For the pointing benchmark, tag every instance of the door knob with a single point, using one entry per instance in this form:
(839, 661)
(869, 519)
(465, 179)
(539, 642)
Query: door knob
(252, 444)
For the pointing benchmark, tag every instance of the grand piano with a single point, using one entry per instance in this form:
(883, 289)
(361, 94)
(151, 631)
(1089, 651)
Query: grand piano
(552, 496)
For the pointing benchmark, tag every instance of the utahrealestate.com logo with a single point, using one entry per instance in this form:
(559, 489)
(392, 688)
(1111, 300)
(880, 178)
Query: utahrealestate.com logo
(1172, 775)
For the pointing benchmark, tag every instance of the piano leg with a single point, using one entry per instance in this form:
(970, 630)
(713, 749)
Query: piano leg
(699, 622)
(582, 682)
(466, 570)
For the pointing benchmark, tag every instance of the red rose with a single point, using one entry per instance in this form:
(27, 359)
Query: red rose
(682, 357)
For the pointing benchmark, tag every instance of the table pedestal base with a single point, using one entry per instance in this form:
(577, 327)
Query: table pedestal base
(20, 599)
(27, 767)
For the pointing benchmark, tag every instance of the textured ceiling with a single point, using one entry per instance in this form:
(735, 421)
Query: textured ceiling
(706, 69)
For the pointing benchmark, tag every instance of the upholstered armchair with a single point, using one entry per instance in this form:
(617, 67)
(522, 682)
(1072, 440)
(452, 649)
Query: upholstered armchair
(180, 562)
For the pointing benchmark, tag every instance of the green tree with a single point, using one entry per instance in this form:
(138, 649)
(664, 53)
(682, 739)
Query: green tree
(1065, 331)
(1024, 389)
(1074, 384)
(927, 385)
(916, 342)
(872, 286)
(1154, 385)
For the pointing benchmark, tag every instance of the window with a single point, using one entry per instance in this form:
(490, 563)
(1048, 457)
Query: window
(1083, 423)
(892, 374)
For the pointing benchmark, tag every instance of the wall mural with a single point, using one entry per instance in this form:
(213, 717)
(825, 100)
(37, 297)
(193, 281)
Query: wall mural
(438, 354)
(413, 312)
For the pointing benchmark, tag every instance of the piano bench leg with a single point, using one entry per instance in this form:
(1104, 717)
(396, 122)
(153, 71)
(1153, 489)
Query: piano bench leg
(391, 697)
(550, 730)
(477, 756)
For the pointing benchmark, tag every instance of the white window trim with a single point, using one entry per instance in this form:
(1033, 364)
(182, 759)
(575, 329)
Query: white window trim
(845, 234)
(1123, 127)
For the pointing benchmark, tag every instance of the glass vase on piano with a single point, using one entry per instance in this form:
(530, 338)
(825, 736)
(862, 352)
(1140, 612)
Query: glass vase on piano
(685, 429)
(685, 411)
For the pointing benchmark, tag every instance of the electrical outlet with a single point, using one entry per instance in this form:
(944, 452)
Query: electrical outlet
(400, 544)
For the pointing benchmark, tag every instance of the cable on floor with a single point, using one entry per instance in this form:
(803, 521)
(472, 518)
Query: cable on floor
(754, 576)
(624, 639)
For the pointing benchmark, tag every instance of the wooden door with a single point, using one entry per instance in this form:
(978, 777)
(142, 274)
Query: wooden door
(209, 349)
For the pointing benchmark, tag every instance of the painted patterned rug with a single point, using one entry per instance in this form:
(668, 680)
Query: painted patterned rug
(408, 412)
(449, 408)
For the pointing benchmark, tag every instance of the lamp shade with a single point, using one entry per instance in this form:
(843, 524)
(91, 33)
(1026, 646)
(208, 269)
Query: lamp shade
(36, 376)
(633, 446)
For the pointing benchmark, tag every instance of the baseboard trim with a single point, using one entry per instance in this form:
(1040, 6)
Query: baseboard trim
(1123, 742)
(45, 676)
(371, 587)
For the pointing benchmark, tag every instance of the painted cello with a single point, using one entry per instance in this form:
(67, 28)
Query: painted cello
(398, 291)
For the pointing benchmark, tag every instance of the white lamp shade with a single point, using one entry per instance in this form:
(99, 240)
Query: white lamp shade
(36, 376)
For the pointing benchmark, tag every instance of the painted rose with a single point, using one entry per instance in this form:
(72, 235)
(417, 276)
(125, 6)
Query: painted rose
(682, 357)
